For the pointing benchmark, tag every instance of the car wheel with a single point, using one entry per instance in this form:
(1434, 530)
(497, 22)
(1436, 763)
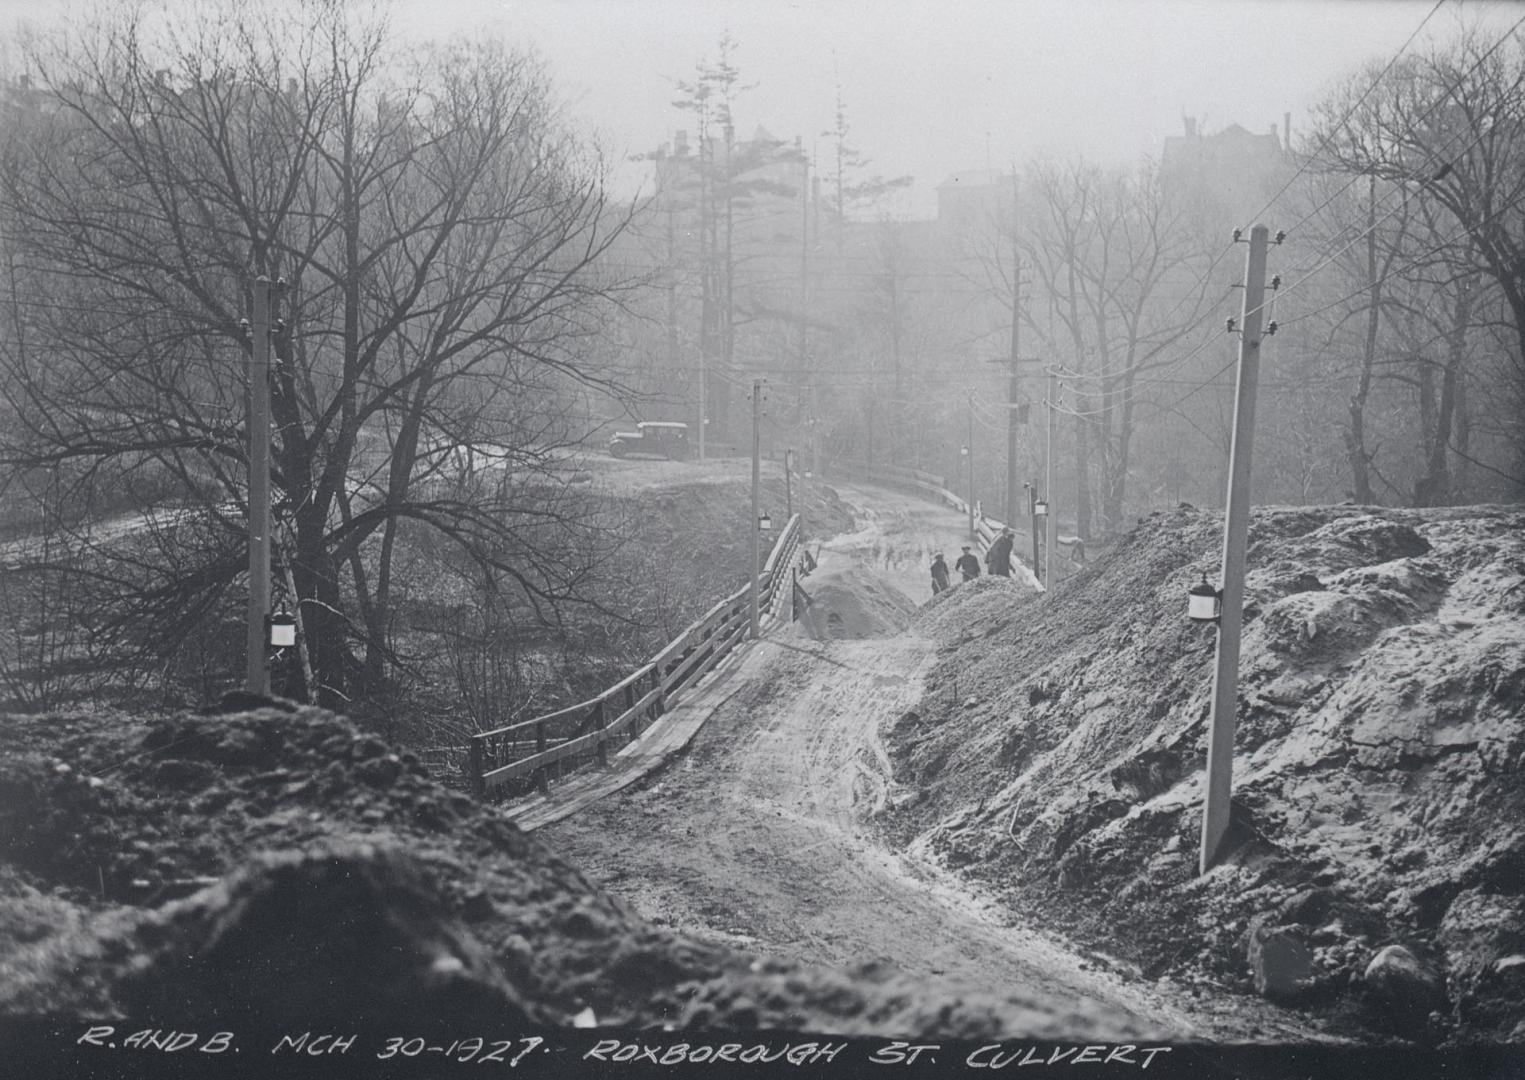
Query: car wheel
(618, 449)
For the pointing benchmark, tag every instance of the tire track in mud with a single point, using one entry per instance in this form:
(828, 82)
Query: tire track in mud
(758, 837)
(762, 842)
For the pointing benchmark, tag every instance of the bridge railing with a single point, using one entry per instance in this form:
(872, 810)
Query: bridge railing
(935, 488)
(524, 755)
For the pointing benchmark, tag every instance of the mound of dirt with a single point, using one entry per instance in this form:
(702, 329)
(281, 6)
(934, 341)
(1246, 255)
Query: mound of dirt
(280, 866)
(852, 603)
(1378, 773)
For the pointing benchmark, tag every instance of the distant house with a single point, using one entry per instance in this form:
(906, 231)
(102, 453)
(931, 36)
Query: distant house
(972, 199)
(1233, 172)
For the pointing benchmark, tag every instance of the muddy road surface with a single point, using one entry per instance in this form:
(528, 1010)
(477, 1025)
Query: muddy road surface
(762, 835)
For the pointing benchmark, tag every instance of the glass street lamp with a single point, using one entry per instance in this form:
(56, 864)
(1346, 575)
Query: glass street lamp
(765, 523)
(1203, 602)
(1040, 507)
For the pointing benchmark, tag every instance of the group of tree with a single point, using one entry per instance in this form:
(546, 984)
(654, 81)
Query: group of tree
(436, 242)
(1398, 372)
(459, 301)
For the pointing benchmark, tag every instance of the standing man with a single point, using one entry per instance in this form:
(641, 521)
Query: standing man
(968, 564)
(939, 574)
(998, 558)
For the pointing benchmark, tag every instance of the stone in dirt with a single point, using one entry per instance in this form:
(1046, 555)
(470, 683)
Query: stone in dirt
(1404, 983)
(1279, 961)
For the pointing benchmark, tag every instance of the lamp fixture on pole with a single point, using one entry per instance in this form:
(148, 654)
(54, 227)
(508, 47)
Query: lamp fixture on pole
(281, 629)
(1203, 602)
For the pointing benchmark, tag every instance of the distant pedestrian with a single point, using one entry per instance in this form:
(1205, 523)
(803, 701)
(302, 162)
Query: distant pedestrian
(939, 574)
(998, 558)
(968, 564)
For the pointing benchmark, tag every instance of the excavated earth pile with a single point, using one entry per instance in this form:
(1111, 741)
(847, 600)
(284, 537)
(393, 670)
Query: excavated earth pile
(851, 603)
(281, 867)
(1376, 860)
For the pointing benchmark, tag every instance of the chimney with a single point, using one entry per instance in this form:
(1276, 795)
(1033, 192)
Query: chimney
(1286, 123)
(1191, 126)
(680, 144)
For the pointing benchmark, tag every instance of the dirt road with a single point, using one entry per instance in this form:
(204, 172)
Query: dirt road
(761, 835)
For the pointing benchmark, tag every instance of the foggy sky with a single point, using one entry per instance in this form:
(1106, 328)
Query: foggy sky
(934, 86)
(937, 86)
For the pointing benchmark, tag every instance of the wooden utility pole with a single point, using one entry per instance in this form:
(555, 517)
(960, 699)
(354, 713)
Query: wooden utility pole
(969, 454)
(258, 674)
(1013, 387)
(1051, 522)
(788, 484)
(1220, 738)
(1032, 523)
(756, 478)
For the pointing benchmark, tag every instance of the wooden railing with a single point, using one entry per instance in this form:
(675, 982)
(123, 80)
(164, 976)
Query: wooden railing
(986, 529)
(528, 752)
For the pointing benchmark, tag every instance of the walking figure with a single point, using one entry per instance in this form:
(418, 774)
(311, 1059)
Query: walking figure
(939, 574)
(968, 564)
(998, 558)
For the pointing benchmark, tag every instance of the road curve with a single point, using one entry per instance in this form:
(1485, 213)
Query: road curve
(759, 835)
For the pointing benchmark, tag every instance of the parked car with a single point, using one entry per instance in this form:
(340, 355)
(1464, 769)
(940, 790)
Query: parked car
(655, 438)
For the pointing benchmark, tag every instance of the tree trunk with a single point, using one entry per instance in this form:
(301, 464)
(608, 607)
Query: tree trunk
(1356, 454)
(1083, 478)
(1434, 487)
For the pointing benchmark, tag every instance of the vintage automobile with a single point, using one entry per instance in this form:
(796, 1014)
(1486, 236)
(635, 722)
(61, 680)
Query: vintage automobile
(657, 438)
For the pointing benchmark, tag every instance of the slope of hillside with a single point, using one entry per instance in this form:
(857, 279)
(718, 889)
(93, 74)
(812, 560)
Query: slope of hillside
(1379, 799)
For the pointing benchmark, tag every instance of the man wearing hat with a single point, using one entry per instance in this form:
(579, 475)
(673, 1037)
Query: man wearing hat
(968, 564)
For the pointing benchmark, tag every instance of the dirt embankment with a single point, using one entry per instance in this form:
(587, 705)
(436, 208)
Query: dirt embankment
(275, 867)
(1379, 792)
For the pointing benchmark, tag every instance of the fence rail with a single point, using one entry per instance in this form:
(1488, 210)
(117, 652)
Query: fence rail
(924, 483)
(526, 753)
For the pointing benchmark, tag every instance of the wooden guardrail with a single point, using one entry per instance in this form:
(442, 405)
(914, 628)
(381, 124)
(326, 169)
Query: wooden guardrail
(986, 528)
(530, 750)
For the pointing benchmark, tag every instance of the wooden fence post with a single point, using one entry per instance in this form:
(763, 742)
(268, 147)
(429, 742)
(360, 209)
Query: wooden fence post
(474, 768)
(632, 731)
(659, 706)
(598, 724)
(542, 774)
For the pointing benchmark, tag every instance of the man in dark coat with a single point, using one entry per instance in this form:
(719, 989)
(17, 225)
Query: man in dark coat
(968, 564)
(939, 574)
(998, 558)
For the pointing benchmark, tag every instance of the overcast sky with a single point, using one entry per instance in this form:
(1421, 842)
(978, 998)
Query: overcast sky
(935, 86)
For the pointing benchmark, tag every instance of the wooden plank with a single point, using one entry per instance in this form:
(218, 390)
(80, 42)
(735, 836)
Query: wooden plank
(525, 725)
(683, 672)
(625, 718)
(560, 749)
(634, 677)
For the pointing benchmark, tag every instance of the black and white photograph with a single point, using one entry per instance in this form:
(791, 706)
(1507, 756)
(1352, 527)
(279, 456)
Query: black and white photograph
(853, 538)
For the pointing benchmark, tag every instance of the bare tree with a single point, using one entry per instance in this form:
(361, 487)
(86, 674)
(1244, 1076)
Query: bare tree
(1448, 129)
(1117, 289)
(438, 240)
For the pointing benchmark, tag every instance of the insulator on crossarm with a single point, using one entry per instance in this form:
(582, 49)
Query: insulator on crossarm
(1231, 324)
(1275, 282)
(1271, 328)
